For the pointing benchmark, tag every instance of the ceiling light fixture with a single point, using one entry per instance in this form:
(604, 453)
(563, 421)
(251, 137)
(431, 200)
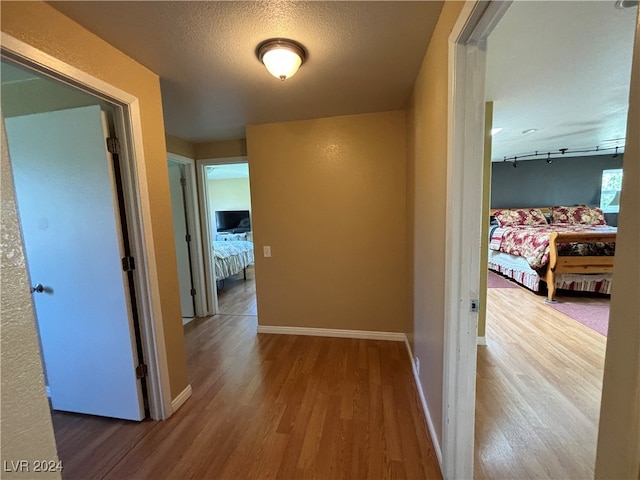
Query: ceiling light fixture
(529, 130)
(626, 3)
(281, 56)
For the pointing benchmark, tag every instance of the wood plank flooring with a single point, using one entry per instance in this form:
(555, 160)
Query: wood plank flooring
(238, 297)
(267, 406)
(539, 382)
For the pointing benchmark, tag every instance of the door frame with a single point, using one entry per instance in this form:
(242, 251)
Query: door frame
(193, 217)
(205, 216)
(465, 151)
(128, 126)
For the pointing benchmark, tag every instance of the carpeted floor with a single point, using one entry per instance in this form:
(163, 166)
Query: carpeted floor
(592, 315)
(495, 280)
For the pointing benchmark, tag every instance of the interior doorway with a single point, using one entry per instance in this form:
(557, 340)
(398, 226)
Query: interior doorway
(569, 358)
(226, 200)
(183, 232)
(27, 91)
(464, 194)
(72, 226)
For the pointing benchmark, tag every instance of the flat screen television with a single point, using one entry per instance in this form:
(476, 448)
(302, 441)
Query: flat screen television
(233, 221)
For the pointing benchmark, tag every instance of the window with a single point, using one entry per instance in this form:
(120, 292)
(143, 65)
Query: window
(610, 191)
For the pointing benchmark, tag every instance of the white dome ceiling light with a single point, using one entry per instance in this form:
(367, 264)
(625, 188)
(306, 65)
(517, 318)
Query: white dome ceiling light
(281, 56)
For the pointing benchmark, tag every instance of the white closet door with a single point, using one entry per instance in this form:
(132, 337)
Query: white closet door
(68, 212)
(180, 233)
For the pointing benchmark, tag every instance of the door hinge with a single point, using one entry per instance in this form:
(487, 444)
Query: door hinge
(193, 292)
(183, 181)
(128, 264)
(113, 145)
(187, 237)
(141, 370)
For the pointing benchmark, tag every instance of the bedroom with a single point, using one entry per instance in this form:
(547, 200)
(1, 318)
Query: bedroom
(228, 196)
(557, 153)
(211, 204)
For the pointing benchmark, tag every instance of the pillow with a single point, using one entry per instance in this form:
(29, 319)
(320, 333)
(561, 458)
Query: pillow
(578, 215)
(520, 216)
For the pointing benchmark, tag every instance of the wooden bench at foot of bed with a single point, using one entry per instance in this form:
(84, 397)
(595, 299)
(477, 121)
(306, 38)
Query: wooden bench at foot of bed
(575, 264)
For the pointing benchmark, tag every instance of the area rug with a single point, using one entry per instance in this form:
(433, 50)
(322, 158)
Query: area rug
(495, 280)
(592, 315)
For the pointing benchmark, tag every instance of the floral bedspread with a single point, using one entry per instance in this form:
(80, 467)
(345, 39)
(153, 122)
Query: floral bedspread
(532, 242)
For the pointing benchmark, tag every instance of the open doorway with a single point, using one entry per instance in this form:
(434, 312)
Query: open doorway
(188, 237)
(226, 197)
(542, 358)
(69, 193)
(464, 194)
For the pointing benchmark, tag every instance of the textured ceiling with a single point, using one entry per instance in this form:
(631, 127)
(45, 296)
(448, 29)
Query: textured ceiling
(363, 57)
(564, 69)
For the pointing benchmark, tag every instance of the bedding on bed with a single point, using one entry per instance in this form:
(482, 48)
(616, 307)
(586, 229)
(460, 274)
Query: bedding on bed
(231, 257)
(519, 247)
(532, 242)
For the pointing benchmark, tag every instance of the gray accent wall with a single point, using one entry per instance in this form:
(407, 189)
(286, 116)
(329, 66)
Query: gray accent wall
(565, 181)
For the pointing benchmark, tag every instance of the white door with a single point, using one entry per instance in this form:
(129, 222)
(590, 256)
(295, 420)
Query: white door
(181, 231)
(68, 213)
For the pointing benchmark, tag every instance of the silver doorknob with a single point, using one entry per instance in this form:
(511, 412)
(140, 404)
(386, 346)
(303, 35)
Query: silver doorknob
(38, 288)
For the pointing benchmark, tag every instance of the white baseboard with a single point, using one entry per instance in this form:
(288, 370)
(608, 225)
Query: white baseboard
(481, 341)
(330, 332)
(177, 402)
(425, 408)
(186, 320)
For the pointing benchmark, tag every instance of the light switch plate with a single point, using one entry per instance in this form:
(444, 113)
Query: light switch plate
(266, 250)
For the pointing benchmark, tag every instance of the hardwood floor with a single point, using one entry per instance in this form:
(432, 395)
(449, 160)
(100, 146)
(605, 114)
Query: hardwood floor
(267, 406)
(539, 382)
(238, 297)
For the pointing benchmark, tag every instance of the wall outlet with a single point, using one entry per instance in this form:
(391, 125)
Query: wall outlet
(266, 250)
(417, 363)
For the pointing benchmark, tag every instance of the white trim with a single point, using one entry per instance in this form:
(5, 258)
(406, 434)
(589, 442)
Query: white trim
(331, 332)
(466, 103)
(193, 217)
(481, 341)
(129, 125)
(182, 397)
(423, 402)
(207, 240)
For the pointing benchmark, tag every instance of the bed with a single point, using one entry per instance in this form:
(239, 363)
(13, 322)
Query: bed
(569, 248)
(231, 258)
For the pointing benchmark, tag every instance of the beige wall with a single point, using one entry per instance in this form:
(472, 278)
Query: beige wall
(618, 454)
(207, 150)
(180, 147)
(328, 196)
(228, 194)
(44, 28)
(26, 430)
(427, 174)
(221, 149)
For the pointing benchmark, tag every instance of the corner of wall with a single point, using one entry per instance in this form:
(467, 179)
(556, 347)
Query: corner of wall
(221, 149)
(180, 146)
